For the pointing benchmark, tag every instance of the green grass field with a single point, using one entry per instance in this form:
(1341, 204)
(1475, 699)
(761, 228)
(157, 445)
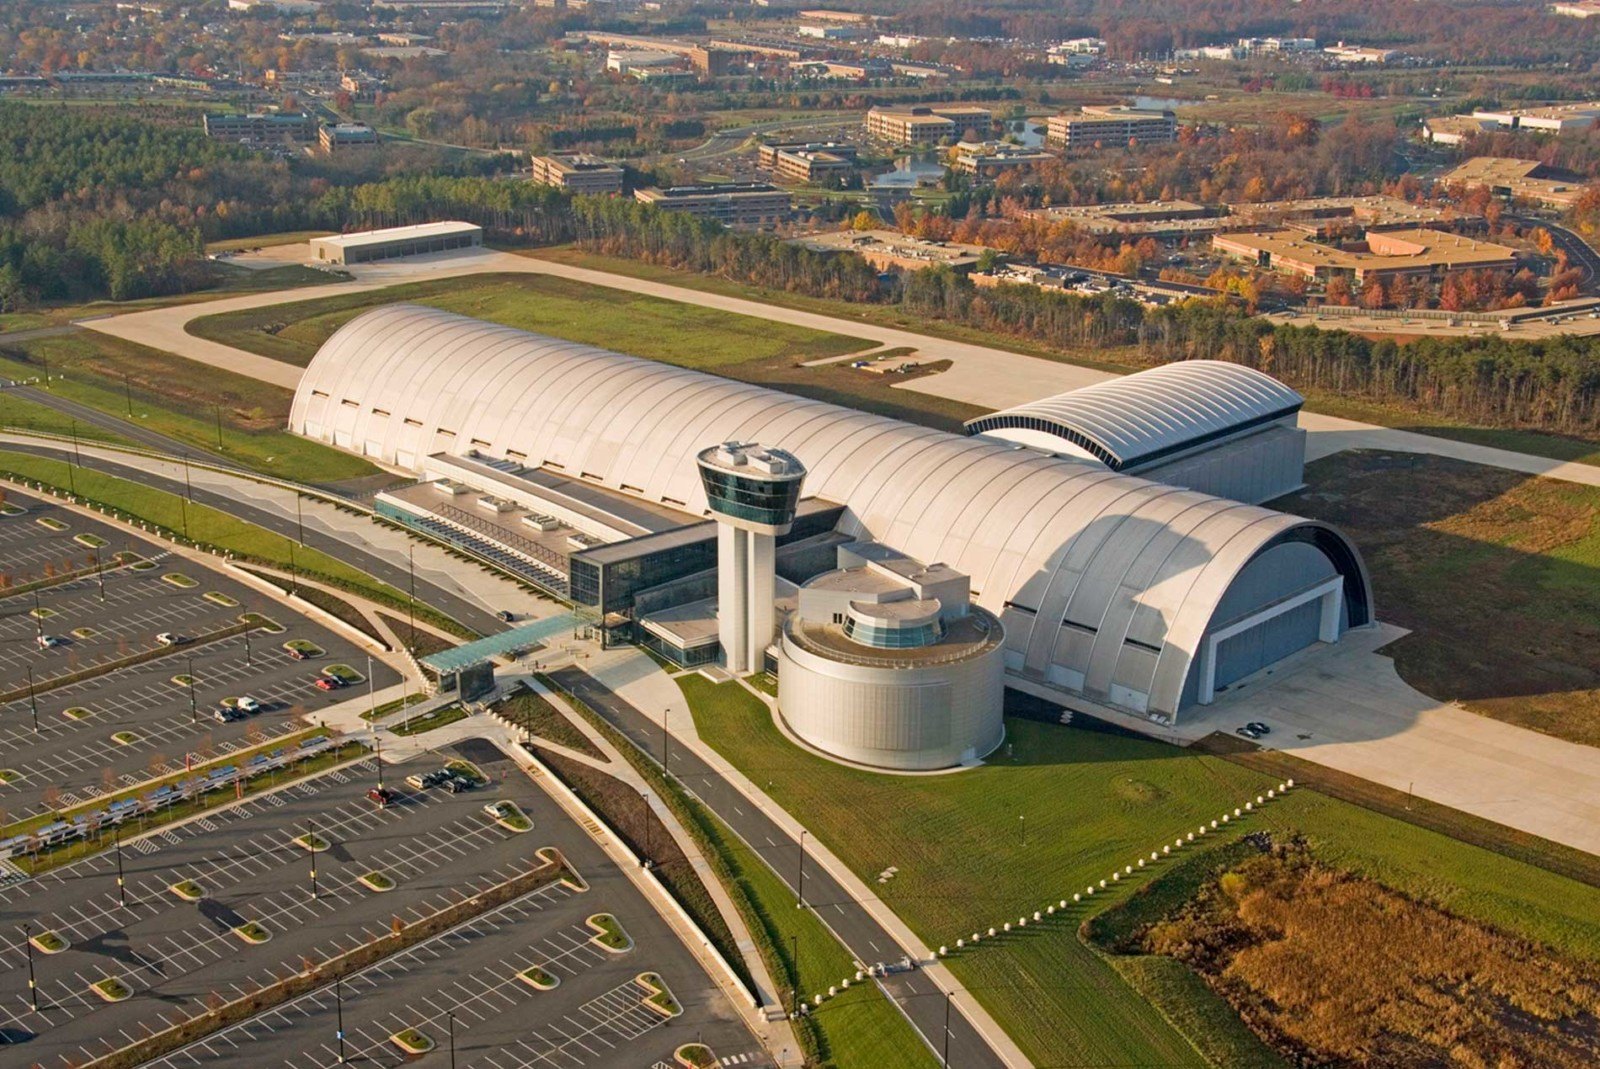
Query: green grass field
(681, 334)
(177, 398)
(977, 848)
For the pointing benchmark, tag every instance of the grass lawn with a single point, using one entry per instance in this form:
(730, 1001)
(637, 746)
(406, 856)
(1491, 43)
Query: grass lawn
(1496, 574)
(206, 525)
(645, 326)
(428, 721)
(178, 398)
(1092, 801)
(21, 414)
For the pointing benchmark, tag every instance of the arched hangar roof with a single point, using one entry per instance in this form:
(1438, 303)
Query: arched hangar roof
(1141, 418)
(1135, 568)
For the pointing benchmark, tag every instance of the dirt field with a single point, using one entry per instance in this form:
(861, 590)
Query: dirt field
(1497, 575)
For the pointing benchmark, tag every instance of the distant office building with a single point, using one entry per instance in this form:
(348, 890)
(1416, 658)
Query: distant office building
(829, 32)
(852, 18)
(579, 173)
(1580, 9)
(985, 159)
(265, 127)
(279, 7)
(890, 250)
(1516, 180)
(336, 138)
(395, 242)
(1110, 125)
(715, 62)
(732, 204)
(1388, 254)
(813, 161)
(925, 124)
(1352, 55)
(626, 61)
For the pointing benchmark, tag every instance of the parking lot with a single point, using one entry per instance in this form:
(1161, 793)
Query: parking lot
(244, 865)
(69, 742)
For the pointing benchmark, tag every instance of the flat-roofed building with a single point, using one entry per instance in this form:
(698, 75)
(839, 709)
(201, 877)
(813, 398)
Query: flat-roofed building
(813, 161)
(1517, 180)
(625, 61)
(578, 172)
(1454, 129)
(1579, 9)
(890, 250)
(985, 159)
(714, 62)
(1329, 215)
(850, 18)
(1156, 218)
(1356, 54)
(1551, 119)
(346, 136)
(925, 124)
(732, 204)
(266, 127)
(1110, 125)
(1389, 254)
(395, 242)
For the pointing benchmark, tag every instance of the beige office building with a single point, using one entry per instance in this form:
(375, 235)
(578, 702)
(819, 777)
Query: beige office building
(925, 124)
(1110, 126)
(732, 204)
(579, 173)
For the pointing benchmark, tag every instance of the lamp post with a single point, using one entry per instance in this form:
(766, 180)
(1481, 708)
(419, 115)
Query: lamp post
(194, 708)
(665, 735)
(794, 957)
(38, 620)
(945, 1058)
(99, 574)
(311, 847)
(800, 883)
(411, 603)
(338, 1009)
(299, 517)
(450, 1022)
(122, 887)
(33, 701)
(33, 988)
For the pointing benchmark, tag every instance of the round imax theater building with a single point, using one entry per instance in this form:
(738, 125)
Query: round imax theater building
(1104, 549)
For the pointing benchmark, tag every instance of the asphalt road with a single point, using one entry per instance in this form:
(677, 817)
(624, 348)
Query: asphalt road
(1580, 253)
(917, 995)
(392, 572)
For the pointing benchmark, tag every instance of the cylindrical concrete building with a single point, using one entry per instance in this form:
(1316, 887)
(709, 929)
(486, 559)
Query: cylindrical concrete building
(885, 663)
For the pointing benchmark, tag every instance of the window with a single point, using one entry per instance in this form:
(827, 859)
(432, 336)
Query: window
(380, 412)
(350, 404)
(480, 443)
(319, 393)
(409, 422)
(447, 434)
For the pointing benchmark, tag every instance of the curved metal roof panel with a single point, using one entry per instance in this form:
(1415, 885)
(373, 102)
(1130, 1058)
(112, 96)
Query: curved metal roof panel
(1140, 418)
(1134, 569)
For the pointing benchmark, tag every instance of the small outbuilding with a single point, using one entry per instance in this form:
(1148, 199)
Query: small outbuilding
(395, 242)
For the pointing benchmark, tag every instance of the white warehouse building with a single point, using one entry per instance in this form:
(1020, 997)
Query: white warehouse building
(1108, 588)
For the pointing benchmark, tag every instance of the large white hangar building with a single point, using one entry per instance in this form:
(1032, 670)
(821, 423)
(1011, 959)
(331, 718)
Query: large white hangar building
(1110, 587)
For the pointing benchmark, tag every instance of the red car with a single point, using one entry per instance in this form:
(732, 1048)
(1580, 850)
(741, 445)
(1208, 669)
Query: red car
(381, 795)
(328, 683)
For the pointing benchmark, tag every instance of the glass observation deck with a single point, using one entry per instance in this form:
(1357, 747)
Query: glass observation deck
(751, 483)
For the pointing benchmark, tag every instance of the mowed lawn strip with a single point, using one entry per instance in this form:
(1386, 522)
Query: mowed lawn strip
(181, 399)
(682, 334)
(1068, 805)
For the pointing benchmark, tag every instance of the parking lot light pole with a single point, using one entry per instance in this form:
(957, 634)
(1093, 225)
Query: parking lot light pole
(665, 735)
(194, 709)
(116, 846)
(27, 945)
(644, 796)
(38, 619)
(248, 662)
(338, 1009)
(311, 845)
(411, 603)
(99, 574)
(450, 1021)
(800, 884)
(33, 701)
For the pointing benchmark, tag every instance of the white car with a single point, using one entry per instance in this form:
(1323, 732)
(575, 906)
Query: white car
(167, 638)
(247, 704)
(47, 642)
(499, 809)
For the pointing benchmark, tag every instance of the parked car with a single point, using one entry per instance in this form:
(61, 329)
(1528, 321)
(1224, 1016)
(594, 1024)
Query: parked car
(167, 638)
(226, 714)
(299, 655)
(499, 810)
(382, 796)
(457, 784)
(48, 642)
(424, 780)
(1259, 728)
(506, 616)
(1248, 732)
(247, 704)
(328, 683)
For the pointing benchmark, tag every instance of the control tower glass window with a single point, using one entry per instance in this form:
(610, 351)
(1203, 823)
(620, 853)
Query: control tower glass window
(766, 501)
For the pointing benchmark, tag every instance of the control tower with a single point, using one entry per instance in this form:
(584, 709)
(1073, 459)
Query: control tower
(753, 491)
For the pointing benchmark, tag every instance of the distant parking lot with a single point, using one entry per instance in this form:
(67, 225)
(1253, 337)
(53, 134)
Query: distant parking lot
(249, 865)
(67, 742)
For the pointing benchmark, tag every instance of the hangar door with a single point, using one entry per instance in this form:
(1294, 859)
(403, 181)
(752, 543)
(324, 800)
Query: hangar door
(1271, 640)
